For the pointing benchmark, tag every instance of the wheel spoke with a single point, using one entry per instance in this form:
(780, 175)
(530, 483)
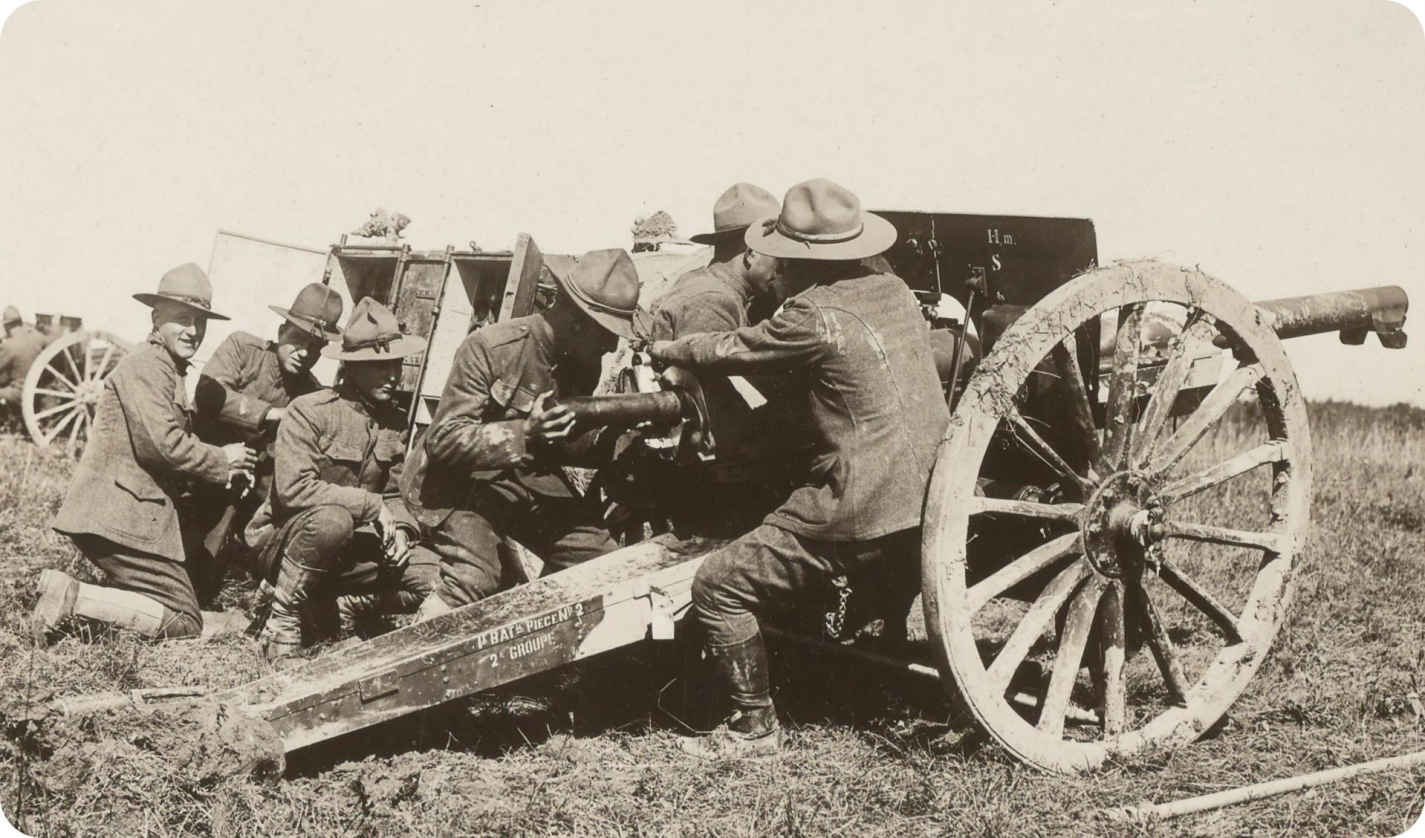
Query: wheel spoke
(1274, 451)
(1032, 624)
(54, 432)
(1202, 600)
(1068, 658)
(1068, 512)
(1113, 701)
(1174, 374)
(62, 394)
(96, 372)
(1148, 619)
(76, 430)
(58, 374)
(1217, 402)
(69, 360)
(50, 411)
(1029, 439)
(1122, 387)
(1269, 541)
(1071, 378)
(1020, 569)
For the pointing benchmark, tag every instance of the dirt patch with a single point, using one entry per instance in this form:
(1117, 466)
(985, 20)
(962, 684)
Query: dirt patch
(180, 752)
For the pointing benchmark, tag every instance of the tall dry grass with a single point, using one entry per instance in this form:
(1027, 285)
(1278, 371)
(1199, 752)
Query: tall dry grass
(869, 752)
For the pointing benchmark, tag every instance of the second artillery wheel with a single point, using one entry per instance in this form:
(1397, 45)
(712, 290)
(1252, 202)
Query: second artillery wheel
(63, 386)
(1155, 525)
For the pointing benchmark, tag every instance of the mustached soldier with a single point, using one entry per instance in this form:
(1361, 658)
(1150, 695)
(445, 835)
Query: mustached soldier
(243, 392)
(334, 530)
(122, 507)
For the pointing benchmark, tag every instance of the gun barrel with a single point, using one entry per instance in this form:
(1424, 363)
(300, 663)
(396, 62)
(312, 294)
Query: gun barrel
(1352, 313)
(625, 410)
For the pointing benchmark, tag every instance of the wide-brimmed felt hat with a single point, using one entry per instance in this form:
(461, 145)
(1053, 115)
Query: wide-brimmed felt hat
(821, 220)
(373, 334)
(188, 286)
(741, 205)
(316, 311)
(604, 283)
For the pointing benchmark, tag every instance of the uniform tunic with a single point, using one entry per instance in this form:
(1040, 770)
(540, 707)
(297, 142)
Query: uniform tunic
(877, 415)
(338, 462)
(476, 478)
(17, 354)
(122, 504)
(239, 385)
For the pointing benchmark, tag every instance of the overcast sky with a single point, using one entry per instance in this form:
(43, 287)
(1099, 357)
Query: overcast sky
(1276, 145)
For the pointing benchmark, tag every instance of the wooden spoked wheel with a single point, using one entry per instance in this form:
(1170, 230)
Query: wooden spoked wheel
(63, 386)
(1154, 524)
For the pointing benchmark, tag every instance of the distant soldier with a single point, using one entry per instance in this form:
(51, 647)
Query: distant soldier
(242, 395)
(489, 465)
(731, 496)
(22, 344)
(334, 529)
(121, 509)
(861, 346)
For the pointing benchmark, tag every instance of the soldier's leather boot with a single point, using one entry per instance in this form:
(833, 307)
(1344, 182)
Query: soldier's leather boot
(752, 729)
(282, 634)
(58, 591)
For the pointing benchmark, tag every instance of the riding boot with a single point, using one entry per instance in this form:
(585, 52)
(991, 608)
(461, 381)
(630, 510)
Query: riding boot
(296, 582)
(752, 728)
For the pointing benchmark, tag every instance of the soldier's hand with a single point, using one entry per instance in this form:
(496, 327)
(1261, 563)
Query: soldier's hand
(549, 423)
(241, 459)
(386, 526)
(400, 549)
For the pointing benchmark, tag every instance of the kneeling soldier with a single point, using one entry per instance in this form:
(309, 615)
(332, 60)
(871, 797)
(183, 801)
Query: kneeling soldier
(334, 525)
(121, 510)
(489, 465)
(243, 392)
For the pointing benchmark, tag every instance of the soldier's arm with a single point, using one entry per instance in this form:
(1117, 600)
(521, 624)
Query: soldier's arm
(796, 337)
(218, 396)
(297, 482)
(391, 492)
(159, 430)
(459, 436)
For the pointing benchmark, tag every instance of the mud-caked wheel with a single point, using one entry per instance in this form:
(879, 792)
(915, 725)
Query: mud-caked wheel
(63, 386)
(1153, 561)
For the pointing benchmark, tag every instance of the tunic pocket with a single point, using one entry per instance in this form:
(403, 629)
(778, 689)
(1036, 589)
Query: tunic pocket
(342, 466)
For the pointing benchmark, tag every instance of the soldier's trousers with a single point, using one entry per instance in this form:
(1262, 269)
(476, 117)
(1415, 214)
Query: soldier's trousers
(772, 569)
(470, 543)
(162, 580)
(321, 552)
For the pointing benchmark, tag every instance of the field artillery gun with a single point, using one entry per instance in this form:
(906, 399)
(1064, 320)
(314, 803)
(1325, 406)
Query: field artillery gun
(1111, 531)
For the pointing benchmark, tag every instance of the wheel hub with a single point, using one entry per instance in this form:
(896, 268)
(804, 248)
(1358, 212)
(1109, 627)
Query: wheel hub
(1119, 525)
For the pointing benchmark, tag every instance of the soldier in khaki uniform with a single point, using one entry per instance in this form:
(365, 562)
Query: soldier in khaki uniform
(21, 345)
(334, 529)
(489, 465)
(748, 480)
(243, 393)
(121, 509)
(876, 411)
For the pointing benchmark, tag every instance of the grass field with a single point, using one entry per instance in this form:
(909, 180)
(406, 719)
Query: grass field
(869, 752)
